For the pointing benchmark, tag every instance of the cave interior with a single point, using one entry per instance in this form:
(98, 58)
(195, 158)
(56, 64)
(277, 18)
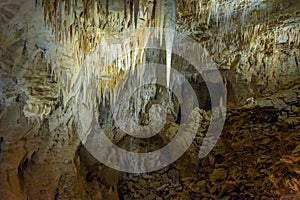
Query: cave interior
(149, 99)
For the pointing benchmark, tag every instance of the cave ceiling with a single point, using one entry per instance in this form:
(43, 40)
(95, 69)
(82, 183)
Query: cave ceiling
(44, 43)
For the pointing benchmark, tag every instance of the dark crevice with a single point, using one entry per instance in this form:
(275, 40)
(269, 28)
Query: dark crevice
(1, 141)
(296, 60)
(56, 193)
(21, 169)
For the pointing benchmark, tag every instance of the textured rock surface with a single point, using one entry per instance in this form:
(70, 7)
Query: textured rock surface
(257, 157)
(255, 44)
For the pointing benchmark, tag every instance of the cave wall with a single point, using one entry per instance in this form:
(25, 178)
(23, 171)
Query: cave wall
(258, 51)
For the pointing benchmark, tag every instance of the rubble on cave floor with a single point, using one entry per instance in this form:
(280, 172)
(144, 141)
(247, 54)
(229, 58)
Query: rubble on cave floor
(256, 157)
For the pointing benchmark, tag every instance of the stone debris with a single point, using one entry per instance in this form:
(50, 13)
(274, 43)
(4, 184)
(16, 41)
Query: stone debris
(257, 157)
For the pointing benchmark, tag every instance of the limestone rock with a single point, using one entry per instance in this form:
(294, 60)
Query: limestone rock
(218, 174)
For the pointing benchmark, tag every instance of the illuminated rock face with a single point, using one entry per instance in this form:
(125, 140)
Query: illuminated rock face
(255, 44)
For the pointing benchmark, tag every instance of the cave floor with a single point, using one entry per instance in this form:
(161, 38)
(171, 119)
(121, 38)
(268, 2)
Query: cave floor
(256, 157)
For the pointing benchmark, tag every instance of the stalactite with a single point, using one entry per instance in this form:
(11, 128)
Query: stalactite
(61, 11)
(131, 11)
(170, 25)
(68, 7)
(82, 31)
(107, 8)
(56, 5)
(45, 13)
(136, 11)
(125, 10)
(159, 18)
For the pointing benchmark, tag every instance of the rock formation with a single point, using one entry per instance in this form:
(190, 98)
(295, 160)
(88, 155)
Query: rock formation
(63, 68)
